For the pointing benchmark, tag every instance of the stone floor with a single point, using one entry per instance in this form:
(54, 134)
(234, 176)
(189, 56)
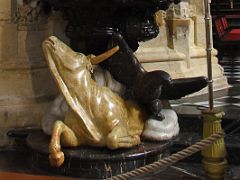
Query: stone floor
(15, 159)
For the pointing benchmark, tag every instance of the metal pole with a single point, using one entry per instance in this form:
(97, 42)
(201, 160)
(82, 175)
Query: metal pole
(214, 161)
(208, 29)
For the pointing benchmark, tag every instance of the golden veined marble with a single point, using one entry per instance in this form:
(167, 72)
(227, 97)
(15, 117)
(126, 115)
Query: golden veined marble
(96, 115)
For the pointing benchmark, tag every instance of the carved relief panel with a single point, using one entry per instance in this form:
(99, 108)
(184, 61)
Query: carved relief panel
(29, 13)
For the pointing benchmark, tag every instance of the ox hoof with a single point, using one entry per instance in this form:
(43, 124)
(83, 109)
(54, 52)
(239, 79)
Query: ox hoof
(56, 159)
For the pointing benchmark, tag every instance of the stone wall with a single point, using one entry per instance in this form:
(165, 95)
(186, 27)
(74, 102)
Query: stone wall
(179, 49)
(26, 85)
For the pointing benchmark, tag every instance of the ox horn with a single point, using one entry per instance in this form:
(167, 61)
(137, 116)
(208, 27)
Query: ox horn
(104, 56)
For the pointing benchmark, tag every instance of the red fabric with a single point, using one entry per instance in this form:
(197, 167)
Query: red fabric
(224, 22)
(231, 37)
(234, 31)
(219, 27)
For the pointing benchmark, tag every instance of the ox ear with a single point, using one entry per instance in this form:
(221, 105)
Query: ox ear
(100, 58)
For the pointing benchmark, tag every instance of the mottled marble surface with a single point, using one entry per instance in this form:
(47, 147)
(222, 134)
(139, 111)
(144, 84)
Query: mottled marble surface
(17, 162)
(95, 162)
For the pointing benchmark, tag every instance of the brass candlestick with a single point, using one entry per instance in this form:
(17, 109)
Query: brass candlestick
(214, 162)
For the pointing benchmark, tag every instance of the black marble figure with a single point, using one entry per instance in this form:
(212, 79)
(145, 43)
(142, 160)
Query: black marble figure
(148, 88)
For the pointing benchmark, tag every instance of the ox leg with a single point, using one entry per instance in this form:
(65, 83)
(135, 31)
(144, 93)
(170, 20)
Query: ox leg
(119, 138)
(68, 138)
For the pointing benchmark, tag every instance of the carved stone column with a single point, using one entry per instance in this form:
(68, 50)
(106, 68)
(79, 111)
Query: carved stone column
(178, 23)
(198, 51)
(157, 54)
(179, 49)
(26, 85)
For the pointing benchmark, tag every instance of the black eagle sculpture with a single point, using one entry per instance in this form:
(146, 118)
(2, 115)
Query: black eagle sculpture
(148, 88)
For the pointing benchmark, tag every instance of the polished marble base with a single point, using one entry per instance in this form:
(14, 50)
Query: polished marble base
(95, 163)
(166, 129)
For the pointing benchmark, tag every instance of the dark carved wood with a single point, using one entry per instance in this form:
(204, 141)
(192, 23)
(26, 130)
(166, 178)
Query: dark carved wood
(94, 21)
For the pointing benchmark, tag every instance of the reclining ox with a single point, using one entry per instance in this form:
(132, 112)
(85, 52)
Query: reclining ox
(96, 116)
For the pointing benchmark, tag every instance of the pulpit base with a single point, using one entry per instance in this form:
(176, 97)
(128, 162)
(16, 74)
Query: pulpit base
(95, 163)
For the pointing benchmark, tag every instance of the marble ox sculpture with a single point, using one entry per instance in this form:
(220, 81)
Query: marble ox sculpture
(96, 115)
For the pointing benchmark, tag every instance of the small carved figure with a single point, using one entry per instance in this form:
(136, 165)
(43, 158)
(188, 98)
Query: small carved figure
(30, 12)
(96, 116)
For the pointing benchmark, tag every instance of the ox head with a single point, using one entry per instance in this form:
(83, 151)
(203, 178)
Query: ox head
(65, 58)
(66, 65)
